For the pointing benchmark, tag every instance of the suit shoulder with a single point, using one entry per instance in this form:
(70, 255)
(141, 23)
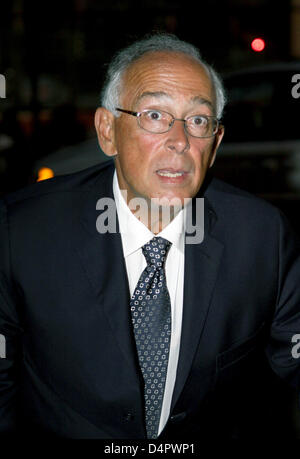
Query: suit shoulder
(219, 186)
(75, 182)
(224, 196)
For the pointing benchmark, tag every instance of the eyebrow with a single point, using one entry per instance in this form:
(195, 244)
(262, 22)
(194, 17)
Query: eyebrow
(203, 101)
(160, 94)
(153, 94)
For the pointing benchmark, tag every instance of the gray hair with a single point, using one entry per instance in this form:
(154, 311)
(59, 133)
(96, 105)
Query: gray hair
(111, 90)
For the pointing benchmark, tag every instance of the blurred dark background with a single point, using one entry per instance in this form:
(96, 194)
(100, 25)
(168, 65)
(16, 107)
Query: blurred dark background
(53, 55)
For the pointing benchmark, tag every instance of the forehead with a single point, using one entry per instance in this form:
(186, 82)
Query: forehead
(171, 75)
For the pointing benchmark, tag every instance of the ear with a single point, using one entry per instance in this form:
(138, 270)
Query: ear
(104, 124)
(216, 144)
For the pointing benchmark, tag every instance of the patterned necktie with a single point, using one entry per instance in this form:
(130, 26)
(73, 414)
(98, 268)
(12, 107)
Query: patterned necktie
(151, 318)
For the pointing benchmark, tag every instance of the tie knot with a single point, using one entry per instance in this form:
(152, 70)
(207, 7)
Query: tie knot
(156, 251)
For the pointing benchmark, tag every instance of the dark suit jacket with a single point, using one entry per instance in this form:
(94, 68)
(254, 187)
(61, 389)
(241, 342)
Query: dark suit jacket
(71, 368)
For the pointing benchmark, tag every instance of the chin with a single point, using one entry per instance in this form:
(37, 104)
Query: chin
(169, 200)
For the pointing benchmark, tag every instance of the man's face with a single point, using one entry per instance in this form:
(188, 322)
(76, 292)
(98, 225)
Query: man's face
(179, 85)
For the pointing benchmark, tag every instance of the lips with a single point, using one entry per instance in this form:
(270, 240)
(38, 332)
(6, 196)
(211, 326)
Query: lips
(170, 172)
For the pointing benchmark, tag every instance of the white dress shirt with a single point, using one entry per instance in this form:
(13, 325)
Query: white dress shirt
(134, 235)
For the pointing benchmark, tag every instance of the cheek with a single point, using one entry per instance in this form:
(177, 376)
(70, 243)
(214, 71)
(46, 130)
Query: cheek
(136, 156)
(142, 150)
(201, 158)
(148, 144)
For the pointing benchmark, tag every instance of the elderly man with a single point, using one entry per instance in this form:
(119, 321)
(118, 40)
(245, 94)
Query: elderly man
(142, 332)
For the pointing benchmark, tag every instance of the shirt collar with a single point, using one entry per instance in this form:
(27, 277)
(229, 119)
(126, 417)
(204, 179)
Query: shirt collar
(135, 234)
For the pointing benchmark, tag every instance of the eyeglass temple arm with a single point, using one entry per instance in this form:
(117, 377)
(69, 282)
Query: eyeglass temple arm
(130, 112)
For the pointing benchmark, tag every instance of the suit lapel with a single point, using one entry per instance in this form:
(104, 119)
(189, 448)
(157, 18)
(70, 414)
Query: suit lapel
(101, 256)
(201, 268)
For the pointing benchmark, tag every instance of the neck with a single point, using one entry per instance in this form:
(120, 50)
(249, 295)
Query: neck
(155, 214)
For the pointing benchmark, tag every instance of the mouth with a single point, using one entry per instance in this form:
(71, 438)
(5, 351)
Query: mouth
(171, 175)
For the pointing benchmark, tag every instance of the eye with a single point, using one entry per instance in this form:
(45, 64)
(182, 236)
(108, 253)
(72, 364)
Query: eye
(198, 120)
(153, 115)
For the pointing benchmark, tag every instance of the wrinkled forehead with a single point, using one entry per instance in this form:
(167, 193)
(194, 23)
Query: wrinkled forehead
(169, 75)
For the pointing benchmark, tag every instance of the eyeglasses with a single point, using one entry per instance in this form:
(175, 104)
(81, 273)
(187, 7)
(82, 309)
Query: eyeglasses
(159, 121)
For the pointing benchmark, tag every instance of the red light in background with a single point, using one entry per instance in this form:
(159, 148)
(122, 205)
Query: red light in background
(258, 45)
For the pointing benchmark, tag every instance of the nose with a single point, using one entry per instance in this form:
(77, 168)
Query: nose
(177, 140)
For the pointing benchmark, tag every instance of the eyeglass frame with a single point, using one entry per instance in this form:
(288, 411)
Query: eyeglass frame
(138, 114)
